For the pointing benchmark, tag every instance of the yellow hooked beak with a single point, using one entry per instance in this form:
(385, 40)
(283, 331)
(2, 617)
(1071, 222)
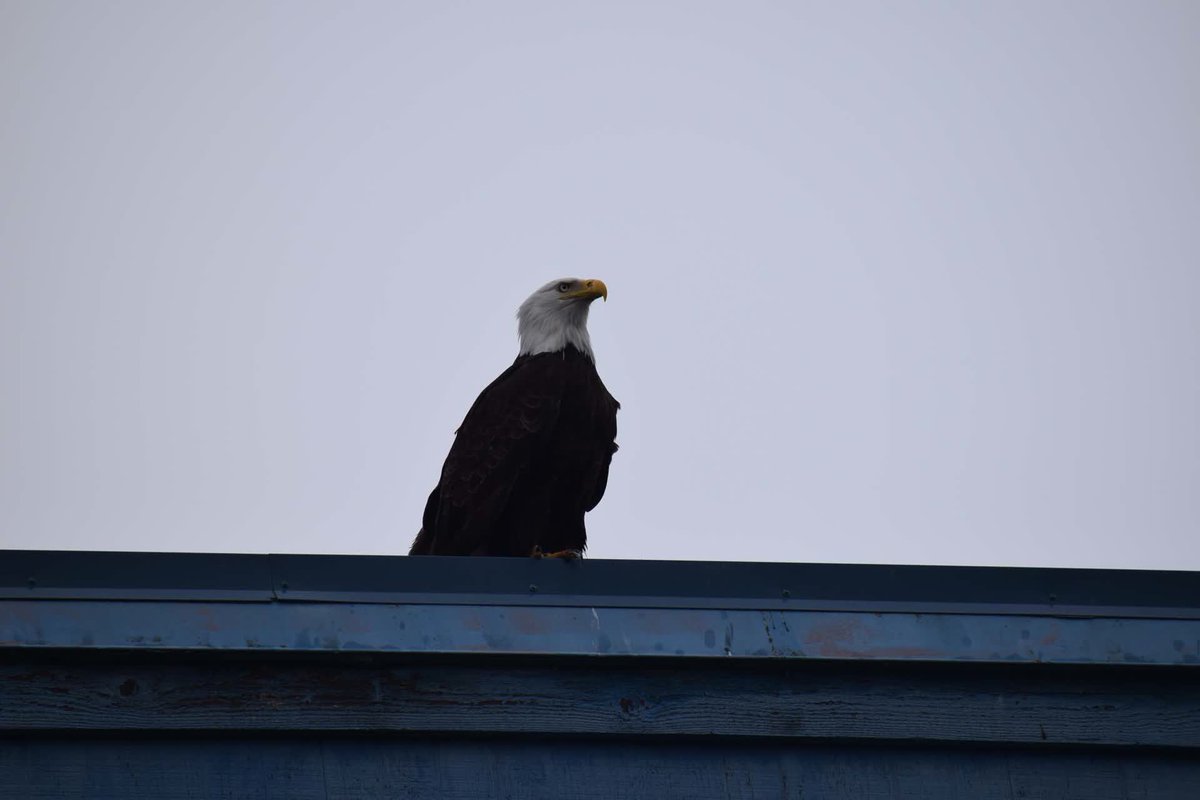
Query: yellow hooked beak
(590, 289)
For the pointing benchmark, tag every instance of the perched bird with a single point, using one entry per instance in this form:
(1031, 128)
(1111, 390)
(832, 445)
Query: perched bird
(532, 455)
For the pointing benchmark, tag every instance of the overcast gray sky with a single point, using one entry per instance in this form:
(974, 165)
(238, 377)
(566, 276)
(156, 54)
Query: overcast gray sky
(899, 282)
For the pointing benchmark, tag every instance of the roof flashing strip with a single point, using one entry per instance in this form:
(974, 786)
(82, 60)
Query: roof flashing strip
(377, 629)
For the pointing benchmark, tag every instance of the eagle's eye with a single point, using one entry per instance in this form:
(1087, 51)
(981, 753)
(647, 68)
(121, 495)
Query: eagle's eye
(562, 287)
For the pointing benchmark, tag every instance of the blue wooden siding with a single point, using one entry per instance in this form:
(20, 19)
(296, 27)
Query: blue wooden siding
(202, 676)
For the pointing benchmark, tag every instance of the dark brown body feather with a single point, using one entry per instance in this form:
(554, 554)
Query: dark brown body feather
(530, 459)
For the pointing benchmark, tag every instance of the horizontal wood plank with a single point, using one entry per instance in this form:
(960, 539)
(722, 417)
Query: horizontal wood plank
(356, 768)
(1086, 706)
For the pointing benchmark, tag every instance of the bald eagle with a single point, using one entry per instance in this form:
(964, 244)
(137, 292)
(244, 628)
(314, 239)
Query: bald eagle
(532, 455)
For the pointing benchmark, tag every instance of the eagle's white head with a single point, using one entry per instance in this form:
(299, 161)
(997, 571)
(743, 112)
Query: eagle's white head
(556, 315)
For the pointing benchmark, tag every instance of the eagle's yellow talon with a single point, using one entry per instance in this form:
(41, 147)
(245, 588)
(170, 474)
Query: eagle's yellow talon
(568, 554)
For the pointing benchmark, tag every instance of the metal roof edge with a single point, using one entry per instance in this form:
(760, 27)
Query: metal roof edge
(217, 577)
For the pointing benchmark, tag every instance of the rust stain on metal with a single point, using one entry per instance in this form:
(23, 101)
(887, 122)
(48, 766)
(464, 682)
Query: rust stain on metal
(835, 631)
(849, 638)
(207, 622)
(835, 639)
(529, 622)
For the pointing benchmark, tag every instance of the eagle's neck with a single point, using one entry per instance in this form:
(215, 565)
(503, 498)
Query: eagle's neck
(549, 330)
